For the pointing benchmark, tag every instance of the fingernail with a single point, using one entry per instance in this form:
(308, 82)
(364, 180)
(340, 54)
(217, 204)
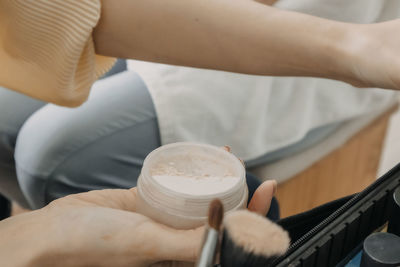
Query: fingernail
(227, 148)
(275, 186)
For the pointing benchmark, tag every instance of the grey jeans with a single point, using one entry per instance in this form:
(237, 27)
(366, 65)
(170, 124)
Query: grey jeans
(47, 151)
(60, 151)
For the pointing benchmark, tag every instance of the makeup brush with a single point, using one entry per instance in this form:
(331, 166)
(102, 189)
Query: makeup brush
(251, 240)
(211, 236)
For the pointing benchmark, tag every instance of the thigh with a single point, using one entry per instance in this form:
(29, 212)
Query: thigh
(101, 144)
(15, 109)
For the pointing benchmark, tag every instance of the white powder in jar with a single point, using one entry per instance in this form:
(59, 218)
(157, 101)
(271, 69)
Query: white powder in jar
(197, 185)
(196, 176)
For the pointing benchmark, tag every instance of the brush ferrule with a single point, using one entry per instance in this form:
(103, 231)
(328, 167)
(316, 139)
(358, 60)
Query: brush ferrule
(209, 249)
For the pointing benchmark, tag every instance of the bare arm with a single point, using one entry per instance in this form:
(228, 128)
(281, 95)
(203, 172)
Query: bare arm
(239, 36)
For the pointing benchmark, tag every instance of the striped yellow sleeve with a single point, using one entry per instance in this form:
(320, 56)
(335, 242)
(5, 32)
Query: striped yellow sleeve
(47, 50)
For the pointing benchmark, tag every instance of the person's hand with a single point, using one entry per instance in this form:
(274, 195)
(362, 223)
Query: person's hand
(101, 228)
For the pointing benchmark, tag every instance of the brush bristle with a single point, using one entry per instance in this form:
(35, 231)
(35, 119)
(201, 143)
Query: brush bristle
(215, 214)
(251, 240)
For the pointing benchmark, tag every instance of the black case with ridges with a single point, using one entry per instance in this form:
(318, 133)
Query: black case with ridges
(336, 236)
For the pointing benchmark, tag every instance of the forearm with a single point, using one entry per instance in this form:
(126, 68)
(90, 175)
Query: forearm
(238, 36)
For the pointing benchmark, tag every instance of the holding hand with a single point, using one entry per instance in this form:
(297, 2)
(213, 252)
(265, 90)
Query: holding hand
(101, 228)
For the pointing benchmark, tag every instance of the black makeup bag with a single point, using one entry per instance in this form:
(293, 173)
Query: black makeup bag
(327, 235)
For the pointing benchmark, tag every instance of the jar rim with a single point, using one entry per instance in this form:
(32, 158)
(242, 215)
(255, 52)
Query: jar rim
(168, 198)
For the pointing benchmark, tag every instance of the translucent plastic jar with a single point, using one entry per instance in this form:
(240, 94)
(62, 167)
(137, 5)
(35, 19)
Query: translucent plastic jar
(178, 181)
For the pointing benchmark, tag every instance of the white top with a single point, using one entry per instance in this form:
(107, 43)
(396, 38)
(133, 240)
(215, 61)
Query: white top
(256, 115)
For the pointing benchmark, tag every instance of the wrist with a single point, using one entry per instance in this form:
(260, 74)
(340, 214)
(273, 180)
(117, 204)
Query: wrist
(343, 52)
(351, 53)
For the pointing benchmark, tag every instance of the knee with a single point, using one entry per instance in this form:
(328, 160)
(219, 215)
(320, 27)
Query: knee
(39, 149)
(32, 187)
(36, 149)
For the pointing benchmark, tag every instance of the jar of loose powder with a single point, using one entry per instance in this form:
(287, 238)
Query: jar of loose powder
(178, 182)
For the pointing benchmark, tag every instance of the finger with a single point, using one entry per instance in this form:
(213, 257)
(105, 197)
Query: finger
(122, 199)
(261, 201)
(228, 149)
(177, 245)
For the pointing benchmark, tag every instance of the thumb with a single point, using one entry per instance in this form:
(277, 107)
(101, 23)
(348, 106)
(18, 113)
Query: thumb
(261, 201)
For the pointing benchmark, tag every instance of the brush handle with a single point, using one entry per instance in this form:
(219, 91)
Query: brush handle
(209, 249)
